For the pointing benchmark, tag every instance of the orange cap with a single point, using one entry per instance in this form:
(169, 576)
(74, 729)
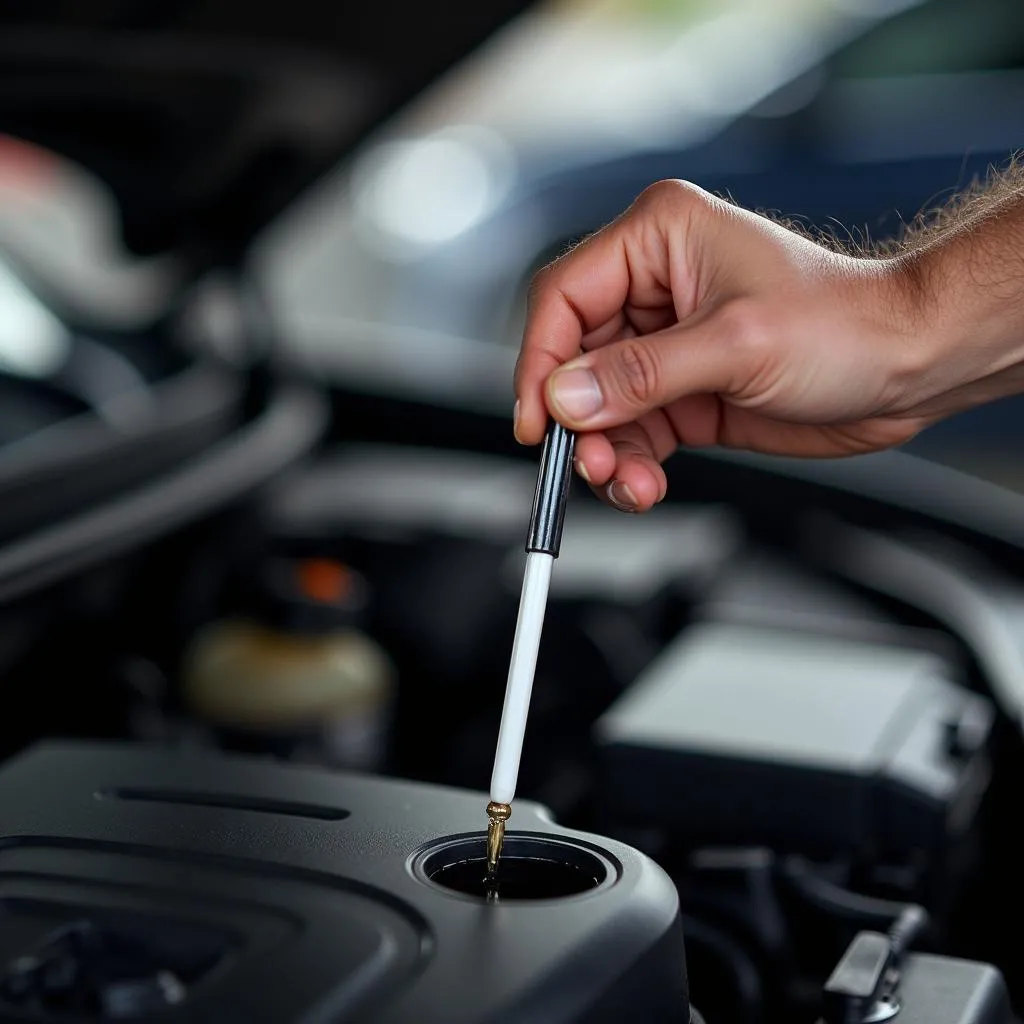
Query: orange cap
(323, 579)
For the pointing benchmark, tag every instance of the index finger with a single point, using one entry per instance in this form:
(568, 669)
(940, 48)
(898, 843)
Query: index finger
(587, 297)
(572, 297)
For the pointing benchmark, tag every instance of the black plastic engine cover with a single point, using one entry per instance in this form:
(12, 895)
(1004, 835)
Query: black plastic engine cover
(214, 888)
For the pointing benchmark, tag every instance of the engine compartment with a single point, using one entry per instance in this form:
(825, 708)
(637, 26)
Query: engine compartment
(801, 749)
(792, 696)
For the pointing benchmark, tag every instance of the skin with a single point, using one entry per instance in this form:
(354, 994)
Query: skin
(689, 321)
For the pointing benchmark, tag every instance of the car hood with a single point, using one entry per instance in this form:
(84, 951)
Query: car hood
(205, 119)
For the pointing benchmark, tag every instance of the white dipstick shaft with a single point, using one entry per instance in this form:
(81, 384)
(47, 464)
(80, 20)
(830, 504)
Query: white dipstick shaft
(521, 669)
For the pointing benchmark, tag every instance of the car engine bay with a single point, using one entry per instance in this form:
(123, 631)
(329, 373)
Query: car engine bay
(257, 611)
(788, 693)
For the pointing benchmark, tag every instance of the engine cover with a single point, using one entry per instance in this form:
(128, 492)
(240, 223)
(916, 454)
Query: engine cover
(214, 888)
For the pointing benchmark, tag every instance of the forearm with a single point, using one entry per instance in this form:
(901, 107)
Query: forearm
(691, 321)
(963, 272)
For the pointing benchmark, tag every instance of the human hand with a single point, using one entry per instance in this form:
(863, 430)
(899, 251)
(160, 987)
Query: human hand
(703, 324)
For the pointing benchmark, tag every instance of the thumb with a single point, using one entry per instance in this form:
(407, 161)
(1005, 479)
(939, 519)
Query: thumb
(618, 383)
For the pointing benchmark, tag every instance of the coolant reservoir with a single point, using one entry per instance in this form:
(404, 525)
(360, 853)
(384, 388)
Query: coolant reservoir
(300, 671)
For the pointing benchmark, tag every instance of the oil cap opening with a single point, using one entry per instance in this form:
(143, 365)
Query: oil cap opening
(531, 868)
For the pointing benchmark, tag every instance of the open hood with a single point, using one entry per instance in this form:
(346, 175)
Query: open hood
(206, 117)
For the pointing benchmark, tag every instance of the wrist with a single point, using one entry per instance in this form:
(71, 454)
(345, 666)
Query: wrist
(962, 298)
(890, 301)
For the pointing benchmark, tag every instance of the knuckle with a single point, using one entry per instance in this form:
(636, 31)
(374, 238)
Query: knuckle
(548, 276)
(637, 373)
(539, 283)
(674, 193)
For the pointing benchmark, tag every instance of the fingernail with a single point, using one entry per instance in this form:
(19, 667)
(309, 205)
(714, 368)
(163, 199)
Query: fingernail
(582, 470)
(621, 496)
(515, 421)
(576, 394)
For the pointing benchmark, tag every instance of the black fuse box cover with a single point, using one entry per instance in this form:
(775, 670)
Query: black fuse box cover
(241, 889)
(822, 745)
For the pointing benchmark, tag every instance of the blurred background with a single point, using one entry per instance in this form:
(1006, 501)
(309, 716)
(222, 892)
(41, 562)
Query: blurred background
(850, 115)
(262, 281)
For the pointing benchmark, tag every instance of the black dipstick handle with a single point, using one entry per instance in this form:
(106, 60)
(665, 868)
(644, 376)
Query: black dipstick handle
(552, 491)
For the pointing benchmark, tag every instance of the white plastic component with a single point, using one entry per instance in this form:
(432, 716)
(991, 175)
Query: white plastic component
(529, 626)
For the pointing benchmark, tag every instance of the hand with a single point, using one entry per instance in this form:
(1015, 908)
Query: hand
(703, 324)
